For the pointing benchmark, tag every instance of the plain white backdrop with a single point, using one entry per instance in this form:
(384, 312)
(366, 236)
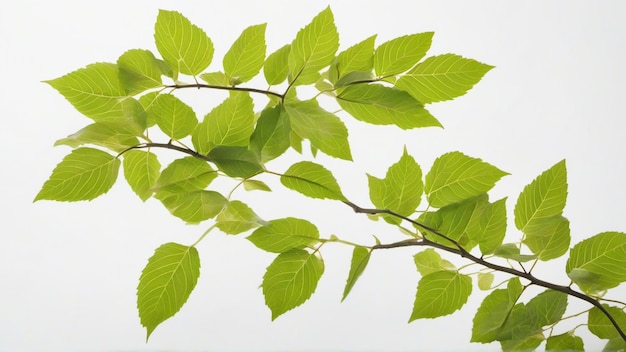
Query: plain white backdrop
(68, 271)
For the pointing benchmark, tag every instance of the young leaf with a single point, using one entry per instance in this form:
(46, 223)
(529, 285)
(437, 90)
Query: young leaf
(246, 56)
(440, 293)
(492, 226)
(236, 218)
(455, 176)
(141, 170)
(276, 67)
(485, 281)
(185, 175)
(314, 47)
(256, 185)
(116, 135)
(184, 46)
(84, 174)
(270, 138)
(236, 161)
(357, 58)
(175, 118)
(193, 207)
(290, 280)
(443, 77)
(400, 54)
(512, 251)
(551, 239)
(600, 325)
(216, 78)
(139, 70)
(401, 190)
(312, 180)
(282, 235)
(494, 311)
(166, 283)
(360, 258)
(351, 78)
(380, 105)
(95, 91)
(324, 129)
(602, 257)
(565, 342)
(230, 124)
(429, 261)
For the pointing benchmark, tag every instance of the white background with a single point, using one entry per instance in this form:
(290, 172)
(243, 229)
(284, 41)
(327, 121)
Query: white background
(68, 271)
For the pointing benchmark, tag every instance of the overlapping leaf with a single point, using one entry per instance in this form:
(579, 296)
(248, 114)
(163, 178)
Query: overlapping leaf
(236, 161)
(600, 325)
(175, 118)
(276, 67)
(357, 58)
(312, 180)
(141, 170)
(440, 293)
(166, 283)
(116, 135)
(270, 138)
(186, 174)
(139, 70)
(400, 54)
(429, 261)
(565, 342)
(195, 206)
(237, 217)
(282, 235)
(246, 56)
(494, 311)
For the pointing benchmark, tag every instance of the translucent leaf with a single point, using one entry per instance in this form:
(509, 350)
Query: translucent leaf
(312, 180)
(325, 130)
(166, 283)
(360, 258)
(542, 199)
(282, 235)
(193, 207)
(400, 54)
(351, 78)
(494, 311)
(359, 57)
(455, 176)
(440, 293)
(549, 240)
(84, 174)
(529, 343)
(175, 118)
(256, 185)
(380, 105)
(216, 78)
(565, 342)
(231, 123)
(237, 217)
(429, 261)
(185, 175)
(147, 102)
(314, 47)
(139, 70)
(603, 256)
(512, 251)
(401, 190)
(270, 138)
(460, 221)
(485, 281)
(116, 135)
(276, 67)
(600, 325)
(236, 161)
(290, 280)
(492, 226)
(184, 46)
(442, 77)
(95, 91)
(141, 170)
(246, 56)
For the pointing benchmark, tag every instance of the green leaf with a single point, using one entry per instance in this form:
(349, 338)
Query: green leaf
(542, 199)
(237, 217)
(429, 261)
(359, 57)
(276, 67)
(175, 118)
(325, 130)
(116, 135)
(270, 138)
(166, 283)
(236, 161)
(216, 78)
(290, 280)
(494, 311)
(600, 325)
(147, 102)
(485, 281)
(551, 241)
(193, 207)
(565, 342)
(312, 180)
(380, 105)
(246, 56)
(492, 226)
(282, 235)
(141, 170)
(512, 251)
(139, 71)
(185, 175)
(455, 176)
(460, 222)
(84, 174)
(256, 185)
(400, 54)
(440, 293)
(529, 343)
(314, 47)
(401, 190)
(443, 77)
(95, 91)
(230, 124)
(184, 46)
(360, 258)
(351, 78)
(603, 257)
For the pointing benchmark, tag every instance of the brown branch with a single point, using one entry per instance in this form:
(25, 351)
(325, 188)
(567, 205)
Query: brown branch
(167, 146)
(231, 88)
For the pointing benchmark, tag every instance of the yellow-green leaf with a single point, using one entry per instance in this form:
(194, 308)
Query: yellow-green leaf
(247, 54)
